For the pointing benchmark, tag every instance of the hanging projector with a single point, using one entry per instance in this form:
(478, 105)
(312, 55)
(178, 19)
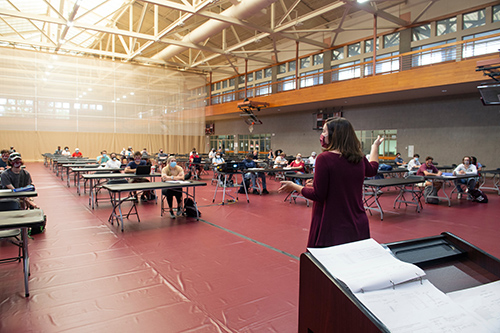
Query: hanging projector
(249, 107)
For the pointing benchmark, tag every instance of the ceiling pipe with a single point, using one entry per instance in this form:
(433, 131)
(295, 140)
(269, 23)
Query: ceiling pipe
(243, 10)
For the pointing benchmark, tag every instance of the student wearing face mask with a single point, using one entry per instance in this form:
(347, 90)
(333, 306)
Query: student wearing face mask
(132, 165)
(15, 177)
(113, 162)
(298, 166)
(103, 158)
(5, 159)
(466, 168)
(172, 172)
(338, 215)
(66, 152)
(414, 164)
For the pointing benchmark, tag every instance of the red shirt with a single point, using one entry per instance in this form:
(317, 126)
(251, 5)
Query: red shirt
(75, 154)
(338, 215)
(296, 164)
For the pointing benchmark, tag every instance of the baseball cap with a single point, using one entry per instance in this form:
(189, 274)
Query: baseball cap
(14, 156)
(76, 149)
(313, 153)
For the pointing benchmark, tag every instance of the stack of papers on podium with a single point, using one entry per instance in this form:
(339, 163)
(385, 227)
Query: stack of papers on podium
(398, 294)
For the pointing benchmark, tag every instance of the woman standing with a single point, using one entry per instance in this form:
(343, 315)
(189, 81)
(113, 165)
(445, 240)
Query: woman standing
(338, 214)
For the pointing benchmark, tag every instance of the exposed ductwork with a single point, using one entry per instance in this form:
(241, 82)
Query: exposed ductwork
(243, 10)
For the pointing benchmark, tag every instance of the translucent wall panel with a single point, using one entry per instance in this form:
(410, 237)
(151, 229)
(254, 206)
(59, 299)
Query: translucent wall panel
(47, 92)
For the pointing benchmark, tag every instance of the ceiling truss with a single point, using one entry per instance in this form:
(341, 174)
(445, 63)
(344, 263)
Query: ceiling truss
(138, 30)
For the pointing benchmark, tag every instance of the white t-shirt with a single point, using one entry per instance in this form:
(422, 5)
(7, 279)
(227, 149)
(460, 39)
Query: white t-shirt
(113, 164)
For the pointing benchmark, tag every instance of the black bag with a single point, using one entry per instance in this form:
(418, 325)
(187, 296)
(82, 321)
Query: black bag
(39, 229)
(190, 208)
(478, 196)
(431, 191)
(247, 185)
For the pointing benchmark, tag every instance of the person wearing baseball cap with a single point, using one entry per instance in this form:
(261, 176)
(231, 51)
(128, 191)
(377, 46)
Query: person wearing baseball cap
(77, 153)
(15, 177)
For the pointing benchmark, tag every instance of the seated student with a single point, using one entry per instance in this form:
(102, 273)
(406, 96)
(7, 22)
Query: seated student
(132, 165)
(172, 172)
(113, 162)
(103, 158)
(77, 153)
(414, 164)
(15, 177)
(197, 167)
(250, 163)
(298, 166)
(270, 155)
(478, 165)
(145, 153)
(466, 168)
(58, 151)
(398, 160)
(66, 152)
(5, 159)
(211, 154)
(280, 161)
(428, 169)
(255, 154)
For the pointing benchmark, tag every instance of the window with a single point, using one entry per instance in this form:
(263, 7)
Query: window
(241, 79)
(291, 66)
(338, 54)
(318, 59)
(268, 72)
(231, 82)
(263, 88)
(354, 50)
(224, 142)
(388, 65)
(287, 83)
(305, 62)
(479, 47)
(250, 77)
(369, 45)
(433, 56)
(282, 69)
(474, 19)
(496, 13)
(389, 146)
(346, 71)
(311, 80)
(217, 86)
(391, 40)
(447, 26)
(228, 96)
(421, 32)
(258, 75)
(224, 84)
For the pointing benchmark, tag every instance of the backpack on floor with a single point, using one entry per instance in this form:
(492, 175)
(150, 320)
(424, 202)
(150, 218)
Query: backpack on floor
(190, 208)
(478, 196)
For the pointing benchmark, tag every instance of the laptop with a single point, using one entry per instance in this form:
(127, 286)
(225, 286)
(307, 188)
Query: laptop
(196, 159)
(143, 170)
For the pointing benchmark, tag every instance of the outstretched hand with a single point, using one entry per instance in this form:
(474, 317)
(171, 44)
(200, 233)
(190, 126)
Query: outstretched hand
(286, 186)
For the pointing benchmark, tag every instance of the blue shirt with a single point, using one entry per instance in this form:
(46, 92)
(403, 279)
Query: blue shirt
(249, 164)
(133, 165)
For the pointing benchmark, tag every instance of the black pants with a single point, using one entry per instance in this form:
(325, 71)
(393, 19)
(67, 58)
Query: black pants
(170, 194)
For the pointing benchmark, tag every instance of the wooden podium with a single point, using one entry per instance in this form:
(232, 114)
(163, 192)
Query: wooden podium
(450, 263)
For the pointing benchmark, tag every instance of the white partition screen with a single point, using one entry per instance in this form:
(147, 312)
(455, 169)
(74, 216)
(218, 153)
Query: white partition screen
(53, 93)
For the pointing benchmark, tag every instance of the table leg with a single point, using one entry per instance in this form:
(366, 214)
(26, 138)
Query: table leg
(26, 260)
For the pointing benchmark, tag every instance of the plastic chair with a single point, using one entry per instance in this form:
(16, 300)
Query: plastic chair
(13, 234)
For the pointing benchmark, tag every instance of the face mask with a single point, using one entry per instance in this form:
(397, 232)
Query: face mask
(17, 164)
(114, 158)
(173, 164)
(218, 156)
(161, 151)
(66, 149)
(466, 162)
(103, 155)
(137, 161)
(322, 141)
(416, 159)
(299, 158)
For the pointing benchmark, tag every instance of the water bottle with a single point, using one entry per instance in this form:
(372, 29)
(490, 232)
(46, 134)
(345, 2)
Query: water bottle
(152, 169)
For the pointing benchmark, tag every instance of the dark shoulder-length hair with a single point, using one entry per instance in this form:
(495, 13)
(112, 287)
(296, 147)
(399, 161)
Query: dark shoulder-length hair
(341, 137)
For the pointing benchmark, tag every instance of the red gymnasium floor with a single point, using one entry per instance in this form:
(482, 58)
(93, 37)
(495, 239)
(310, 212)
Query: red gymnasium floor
(236, 270)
